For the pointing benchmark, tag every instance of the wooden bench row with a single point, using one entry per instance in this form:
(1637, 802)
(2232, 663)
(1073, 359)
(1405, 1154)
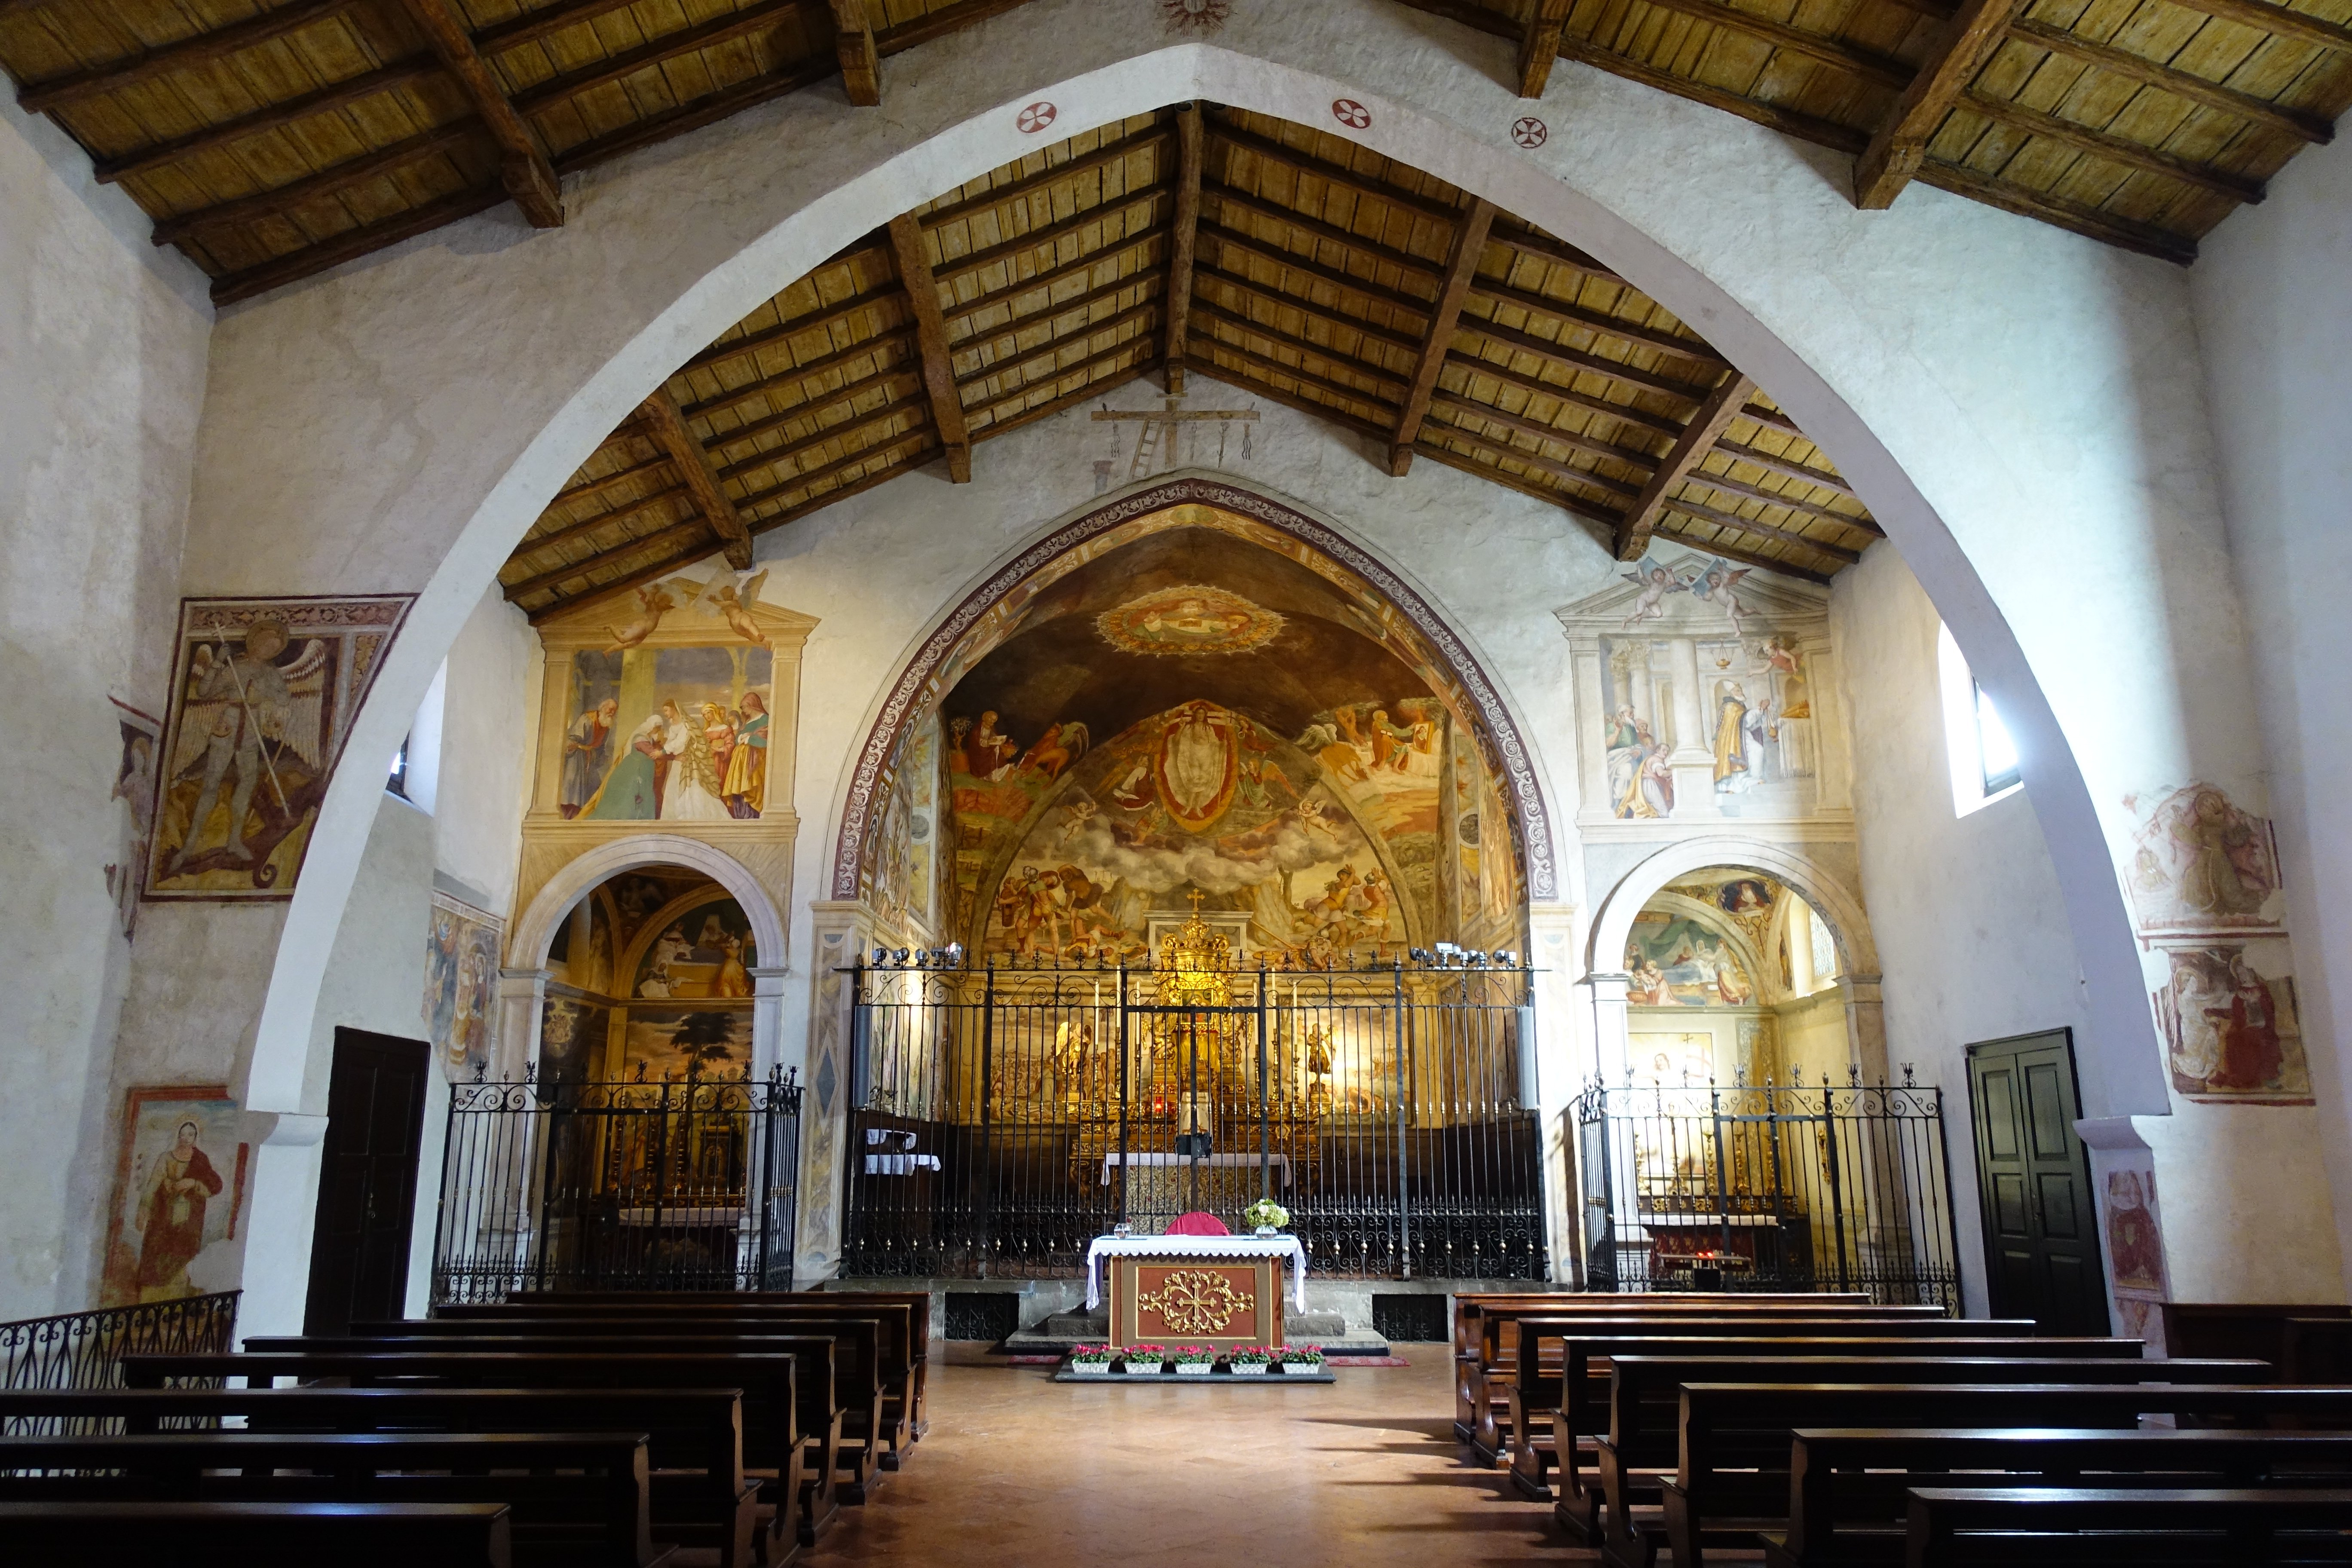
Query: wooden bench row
(1848, 1438)
(609, 1432)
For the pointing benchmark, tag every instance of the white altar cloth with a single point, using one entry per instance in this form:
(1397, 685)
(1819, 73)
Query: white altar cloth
(1196, 1246)
(1278, 1163)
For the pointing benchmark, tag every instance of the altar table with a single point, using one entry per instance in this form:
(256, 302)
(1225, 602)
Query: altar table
(1216, 1290)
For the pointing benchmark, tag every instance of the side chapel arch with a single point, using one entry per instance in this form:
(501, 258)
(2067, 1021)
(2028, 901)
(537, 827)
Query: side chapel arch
(1612, 927)
(523, 983)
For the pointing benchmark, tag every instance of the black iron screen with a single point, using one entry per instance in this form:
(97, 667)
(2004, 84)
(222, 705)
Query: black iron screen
(685, 1186)
(1002, 1118)
(1735, 1186)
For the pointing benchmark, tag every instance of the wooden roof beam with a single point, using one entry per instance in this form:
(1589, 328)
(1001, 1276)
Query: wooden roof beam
(2196, 90)
(1042, 282)
(1141, 310)
(793, 451)
(1460, 268)
(523, 167)
(1539, 44)
(1608, 326)
(1535, 386)
(1204, 310)
(1338, 320)
(1722, 486)
(1185, 230)
(589, 490)
(803, 480)
(1877, 69)
(694, 531)
(1376, 433)
(1333, 173)
(666, 428)
(1672, 529)
(1086, 394)
(1052, 175)
(2294, 26)
(1714, 418)
(59, 92)
(1542, 246)
(1577, 359)
(367, 84)
(2113, 149)
(586, 526)
(1838, 553)
(1772, 462)
(861, 67)
(887, 342)
(1602, 519)
(1040, 238)
(793, 326)
(1506, 447)
(931, 343)
(1900, 144)
(848, 392)
(1639, 462)
(1266, 365)
(2047, 207)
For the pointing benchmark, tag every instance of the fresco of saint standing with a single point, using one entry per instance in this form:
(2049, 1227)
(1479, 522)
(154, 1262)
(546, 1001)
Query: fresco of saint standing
(172, 1217)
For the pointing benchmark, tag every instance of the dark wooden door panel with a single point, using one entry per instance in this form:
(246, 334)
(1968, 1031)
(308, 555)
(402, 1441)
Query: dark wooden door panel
(367, 1181)
(2042, 1247)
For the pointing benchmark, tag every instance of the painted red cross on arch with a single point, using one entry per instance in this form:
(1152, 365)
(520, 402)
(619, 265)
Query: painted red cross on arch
(1351, 113)
(1531, 133)
(1035, 118)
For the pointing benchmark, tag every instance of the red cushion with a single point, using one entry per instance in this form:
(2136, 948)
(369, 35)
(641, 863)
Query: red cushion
(1198, 1224)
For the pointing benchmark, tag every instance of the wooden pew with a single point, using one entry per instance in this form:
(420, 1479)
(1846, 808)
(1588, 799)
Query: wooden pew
(1486, 1336)
(2246, 1330)
(1848, 1503)
(1732, 1483)
(1587, 1406)
(699, 1494)
(1535, 1389)
(240, 1534)
(2002, 1527)
(899, 1355)
(1642, 1448)
(858, 1388)
(792, 1430)
(917, 1303)
(575, 1500)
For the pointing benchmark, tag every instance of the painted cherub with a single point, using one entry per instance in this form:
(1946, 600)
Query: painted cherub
(1656, 584)
(657, 603)
(1718, 585)
(732, 601)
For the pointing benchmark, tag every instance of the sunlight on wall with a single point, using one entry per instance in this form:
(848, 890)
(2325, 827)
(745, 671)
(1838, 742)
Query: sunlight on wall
(1983, 758)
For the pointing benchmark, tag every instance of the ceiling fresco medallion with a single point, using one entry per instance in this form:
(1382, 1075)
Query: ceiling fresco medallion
(1192, 619)
(1198, 764)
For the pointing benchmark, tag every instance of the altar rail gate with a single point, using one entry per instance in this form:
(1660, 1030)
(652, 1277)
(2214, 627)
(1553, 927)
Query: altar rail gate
(1002, 1118)
(551, 1185)
(1737, 1186)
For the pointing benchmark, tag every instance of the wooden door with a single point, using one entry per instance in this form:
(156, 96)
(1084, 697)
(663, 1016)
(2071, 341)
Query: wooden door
(367, 1181)
(2033, 1179)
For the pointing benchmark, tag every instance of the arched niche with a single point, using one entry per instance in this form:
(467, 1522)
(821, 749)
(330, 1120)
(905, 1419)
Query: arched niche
(1604, 983)
(523, 983)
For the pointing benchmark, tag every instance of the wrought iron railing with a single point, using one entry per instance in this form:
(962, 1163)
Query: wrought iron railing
(1765, 1187)
(553, 1186)
(1002, 1117)
(85, 1350)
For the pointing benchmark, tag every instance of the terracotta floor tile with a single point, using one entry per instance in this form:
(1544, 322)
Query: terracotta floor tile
(1022, 1472)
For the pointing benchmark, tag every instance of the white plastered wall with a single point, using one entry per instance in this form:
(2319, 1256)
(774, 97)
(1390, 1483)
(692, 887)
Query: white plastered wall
(101, 376)
(2006, 396)
(2273, 297)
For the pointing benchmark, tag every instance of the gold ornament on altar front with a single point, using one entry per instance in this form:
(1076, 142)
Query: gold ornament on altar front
(1194, 1301)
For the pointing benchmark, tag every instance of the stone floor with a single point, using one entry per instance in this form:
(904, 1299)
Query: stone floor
(1020, 1472)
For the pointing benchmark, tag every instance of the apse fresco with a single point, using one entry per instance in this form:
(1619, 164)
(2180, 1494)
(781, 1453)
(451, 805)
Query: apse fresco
(706, 951)
(1183, 695)
(651, 975)
(1196, 798)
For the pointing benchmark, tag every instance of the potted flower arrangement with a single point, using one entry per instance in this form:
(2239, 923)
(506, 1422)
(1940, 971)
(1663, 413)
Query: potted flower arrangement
(1143, 1361)
(1091, 1361)
(1266, 1216)
(1250, 1361)
(1195, 1361)
(1302, 1359)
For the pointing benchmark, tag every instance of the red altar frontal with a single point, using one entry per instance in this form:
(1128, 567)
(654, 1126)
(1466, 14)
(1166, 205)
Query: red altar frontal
(1221, 1302)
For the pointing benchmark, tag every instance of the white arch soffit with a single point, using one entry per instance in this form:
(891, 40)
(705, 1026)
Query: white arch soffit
(2121, 1063)
(535, 932)
(1530, 737)
(1614, 923)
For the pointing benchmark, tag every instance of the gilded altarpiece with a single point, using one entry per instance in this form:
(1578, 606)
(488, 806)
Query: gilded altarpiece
(679, 722)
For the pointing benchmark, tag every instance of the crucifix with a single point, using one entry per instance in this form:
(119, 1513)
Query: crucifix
(1162, 426)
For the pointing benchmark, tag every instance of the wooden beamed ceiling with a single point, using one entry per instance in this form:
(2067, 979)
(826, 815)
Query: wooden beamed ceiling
(273, 139)
(1284, 260)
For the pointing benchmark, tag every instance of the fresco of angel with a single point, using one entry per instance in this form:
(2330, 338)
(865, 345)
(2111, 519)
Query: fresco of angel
(246, 712)
(655, 602)
(1655, 582)
(1718, 585)
(732, 601)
